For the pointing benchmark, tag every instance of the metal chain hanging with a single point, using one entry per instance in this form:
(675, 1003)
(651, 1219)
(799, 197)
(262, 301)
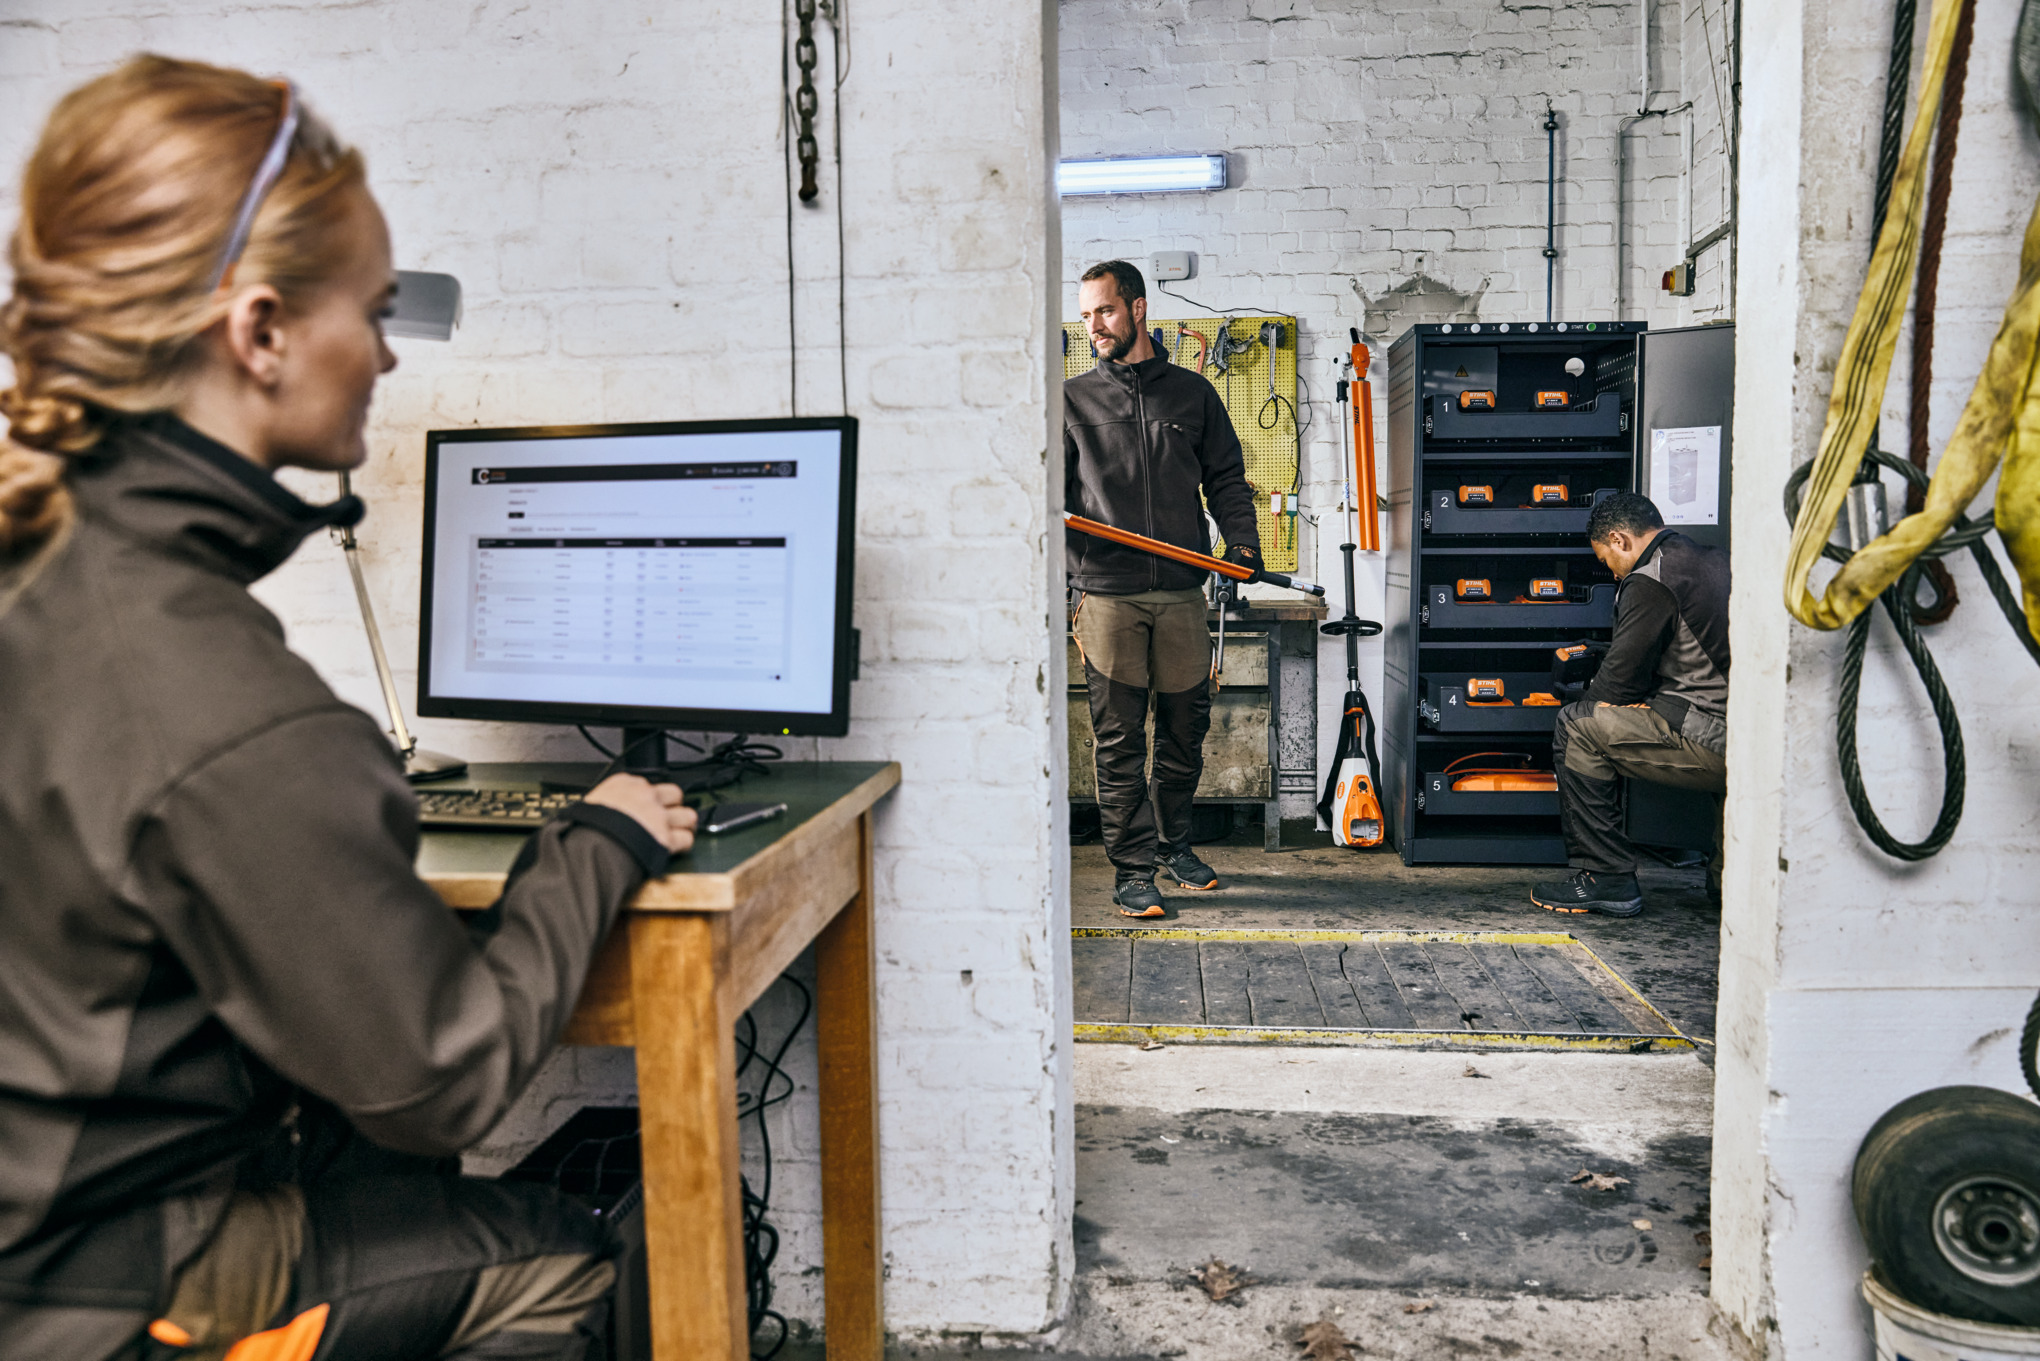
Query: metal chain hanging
(806, 103)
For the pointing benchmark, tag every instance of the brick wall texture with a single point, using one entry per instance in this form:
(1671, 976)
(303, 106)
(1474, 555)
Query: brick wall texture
(606, 180)
(1388, 167)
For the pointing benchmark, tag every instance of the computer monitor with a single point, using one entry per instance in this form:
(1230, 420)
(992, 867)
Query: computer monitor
(691, 575)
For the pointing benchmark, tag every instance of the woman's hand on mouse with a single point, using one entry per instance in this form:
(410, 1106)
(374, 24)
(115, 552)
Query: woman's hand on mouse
(657, 808)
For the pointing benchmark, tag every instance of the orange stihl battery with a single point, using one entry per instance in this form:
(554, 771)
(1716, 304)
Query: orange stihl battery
(1473, 588)
(1542, 699)
(1573, 653)
(1548, 399)
(1476, 496)
(1547, 588)
(1476, 401)
(1476, 688)
(1549, 494)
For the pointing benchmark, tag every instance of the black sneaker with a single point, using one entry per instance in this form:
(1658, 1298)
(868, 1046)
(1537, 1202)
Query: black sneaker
(1138, 898)
(1611, 895)
(1186, 869)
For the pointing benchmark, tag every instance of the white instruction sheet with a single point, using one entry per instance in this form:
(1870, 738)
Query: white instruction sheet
(1685, 474)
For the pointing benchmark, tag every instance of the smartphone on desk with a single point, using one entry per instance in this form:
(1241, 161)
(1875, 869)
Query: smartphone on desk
(731, 817)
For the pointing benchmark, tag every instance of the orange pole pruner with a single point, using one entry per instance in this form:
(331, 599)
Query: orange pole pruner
(1236, 571)
(1367, 516)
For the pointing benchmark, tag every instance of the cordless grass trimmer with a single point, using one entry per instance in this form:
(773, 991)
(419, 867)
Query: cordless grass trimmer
(1351, 804)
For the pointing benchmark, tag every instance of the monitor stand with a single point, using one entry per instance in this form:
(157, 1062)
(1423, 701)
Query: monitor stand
(644, 753)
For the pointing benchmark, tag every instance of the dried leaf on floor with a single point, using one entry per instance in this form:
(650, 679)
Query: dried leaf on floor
(1707, 1262)
(1641, 1225)
(1219, 1281)
(1597, 1181)
(1472, 1071)
(1146, 1045)
(1322, 1341)
(1420, 1307)
(1705, 1238)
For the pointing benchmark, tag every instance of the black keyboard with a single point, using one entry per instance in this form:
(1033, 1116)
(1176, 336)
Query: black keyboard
(492, 810)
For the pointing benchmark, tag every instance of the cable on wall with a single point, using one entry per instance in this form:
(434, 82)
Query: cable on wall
(786, 178)
(761, 1240)
(800, 104)
(837, 13)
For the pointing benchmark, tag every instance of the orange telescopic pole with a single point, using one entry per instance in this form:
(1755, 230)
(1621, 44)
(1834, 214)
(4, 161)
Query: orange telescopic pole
(1129, 539)
(1364, 494)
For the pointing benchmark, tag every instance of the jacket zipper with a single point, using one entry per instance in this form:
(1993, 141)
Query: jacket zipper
(1147, 482)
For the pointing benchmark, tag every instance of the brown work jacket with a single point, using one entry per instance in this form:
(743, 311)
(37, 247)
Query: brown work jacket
(207, 899)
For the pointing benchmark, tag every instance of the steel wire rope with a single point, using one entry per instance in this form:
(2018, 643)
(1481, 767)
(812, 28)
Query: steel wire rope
(1900, 598)
(1947, 129)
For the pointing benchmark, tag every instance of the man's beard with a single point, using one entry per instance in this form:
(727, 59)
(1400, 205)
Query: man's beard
(1115, 347)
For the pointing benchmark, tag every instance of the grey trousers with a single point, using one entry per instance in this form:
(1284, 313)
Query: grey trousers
(1142, 650)
(1593, 748)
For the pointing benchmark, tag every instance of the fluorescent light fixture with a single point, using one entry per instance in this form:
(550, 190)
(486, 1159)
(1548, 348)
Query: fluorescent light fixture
(1141, 175)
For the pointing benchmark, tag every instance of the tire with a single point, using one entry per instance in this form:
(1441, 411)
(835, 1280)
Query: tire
(1947, 1193)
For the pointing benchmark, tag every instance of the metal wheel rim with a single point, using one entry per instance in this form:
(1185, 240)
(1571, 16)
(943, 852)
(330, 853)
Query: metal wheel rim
(1988, 1228)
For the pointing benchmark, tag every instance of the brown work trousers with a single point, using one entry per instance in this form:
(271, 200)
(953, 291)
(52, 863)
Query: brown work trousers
(381, 1254)
(1593, 747)
(1144, 651)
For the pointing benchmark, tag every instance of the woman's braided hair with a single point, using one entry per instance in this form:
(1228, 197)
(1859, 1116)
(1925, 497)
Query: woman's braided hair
(126, 206)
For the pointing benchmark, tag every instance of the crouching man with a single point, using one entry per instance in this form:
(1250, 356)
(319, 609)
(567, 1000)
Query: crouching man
(1657, 709)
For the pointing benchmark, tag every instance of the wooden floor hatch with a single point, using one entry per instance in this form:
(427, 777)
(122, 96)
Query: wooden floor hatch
(1436, 990)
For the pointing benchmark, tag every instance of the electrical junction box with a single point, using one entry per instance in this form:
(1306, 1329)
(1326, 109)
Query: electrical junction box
(1172, 264)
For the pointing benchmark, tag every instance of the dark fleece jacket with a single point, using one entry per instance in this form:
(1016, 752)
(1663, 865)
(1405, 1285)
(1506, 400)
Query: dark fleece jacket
(1139, 441)
(208, 900)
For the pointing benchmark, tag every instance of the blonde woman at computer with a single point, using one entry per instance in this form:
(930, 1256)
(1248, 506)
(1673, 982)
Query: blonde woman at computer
(240, 1041)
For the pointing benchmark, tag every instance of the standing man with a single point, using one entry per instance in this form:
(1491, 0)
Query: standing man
(1657, 710)
(1141, 438)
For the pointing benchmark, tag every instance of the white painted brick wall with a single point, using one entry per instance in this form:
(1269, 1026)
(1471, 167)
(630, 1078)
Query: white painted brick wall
(606, 181)
(1374, 144)
(1849, 981)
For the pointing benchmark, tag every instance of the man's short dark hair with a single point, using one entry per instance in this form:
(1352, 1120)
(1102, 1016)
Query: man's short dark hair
(1626, 511)
(1128, 279)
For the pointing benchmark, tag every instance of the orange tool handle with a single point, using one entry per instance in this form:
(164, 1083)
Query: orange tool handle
(1129, 539)
(1363, 453)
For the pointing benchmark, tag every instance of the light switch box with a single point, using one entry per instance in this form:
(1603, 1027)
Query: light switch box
(1172, 264)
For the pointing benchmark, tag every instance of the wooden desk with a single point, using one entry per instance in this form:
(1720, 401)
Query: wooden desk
(692, 952)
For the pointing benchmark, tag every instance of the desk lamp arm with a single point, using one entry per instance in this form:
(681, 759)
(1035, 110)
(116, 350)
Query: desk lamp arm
(419, 765)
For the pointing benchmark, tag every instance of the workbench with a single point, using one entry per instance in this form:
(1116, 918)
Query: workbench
(1262, 744)
(693, 950)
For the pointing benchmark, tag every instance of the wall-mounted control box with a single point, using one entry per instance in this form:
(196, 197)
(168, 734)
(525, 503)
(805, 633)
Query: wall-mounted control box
(1172, 264)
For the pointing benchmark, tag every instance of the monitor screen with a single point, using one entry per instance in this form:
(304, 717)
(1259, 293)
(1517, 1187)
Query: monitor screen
(688, 575)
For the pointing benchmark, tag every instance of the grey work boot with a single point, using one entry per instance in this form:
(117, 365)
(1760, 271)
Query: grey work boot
(1611, 895)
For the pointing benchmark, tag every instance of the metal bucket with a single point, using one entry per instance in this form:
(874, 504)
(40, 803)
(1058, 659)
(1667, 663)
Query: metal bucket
(1906, 1332)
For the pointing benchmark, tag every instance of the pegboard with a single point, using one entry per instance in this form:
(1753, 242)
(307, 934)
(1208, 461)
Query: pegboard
(1266, 427)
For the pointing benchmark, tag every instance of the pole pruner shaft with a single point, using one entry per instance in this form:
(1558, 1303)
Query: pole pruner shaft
(1190, 556)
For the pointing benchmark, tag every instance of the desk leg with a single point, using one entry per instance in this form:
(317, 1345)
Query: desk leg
(846, 1031)
(687, 1114)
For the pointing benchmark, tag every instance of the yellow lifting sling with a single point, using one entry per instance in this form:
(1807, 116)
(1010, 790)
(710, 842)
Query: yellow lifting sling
(2000, 424)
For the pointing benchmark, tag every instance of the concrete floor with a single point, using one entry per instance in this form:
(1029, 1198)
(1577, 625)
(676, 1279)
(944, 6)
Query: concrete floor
(1431, 1214)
